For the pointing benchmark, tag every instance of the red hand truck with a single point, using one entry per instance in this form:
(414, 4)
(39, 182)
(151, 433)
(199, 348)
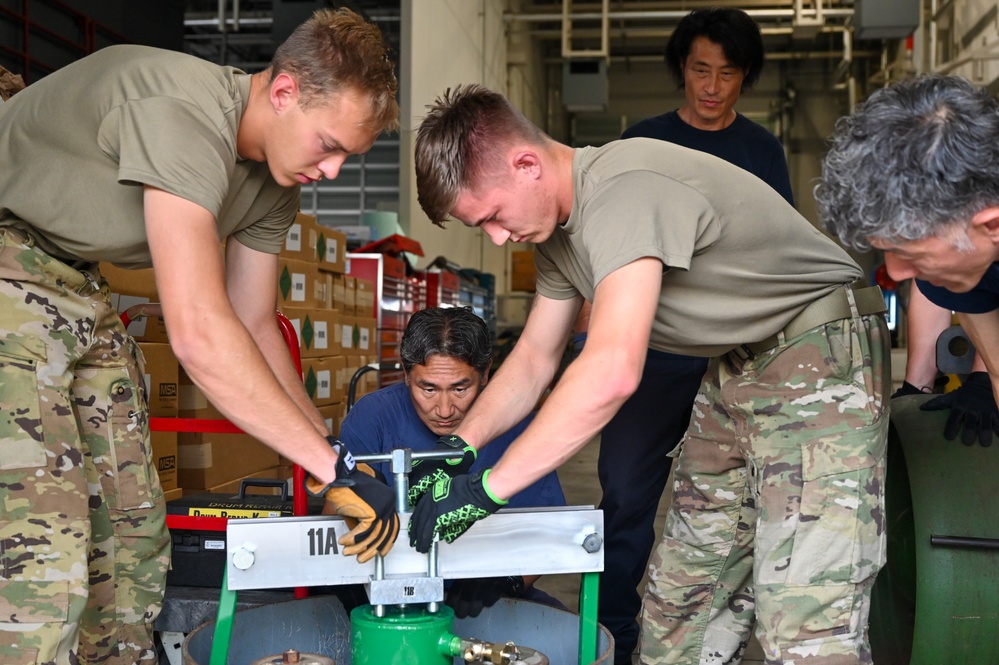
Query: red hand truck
(216, 426)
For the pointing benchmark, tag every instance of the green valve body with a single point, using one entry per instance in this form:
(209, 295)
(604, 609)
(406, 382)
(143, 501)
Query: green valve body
(408, 635)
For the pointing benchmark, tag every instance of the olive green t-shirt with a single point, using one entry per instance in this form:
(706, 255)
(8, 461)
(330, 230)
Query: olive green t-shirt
(78, 145)
(738, 262)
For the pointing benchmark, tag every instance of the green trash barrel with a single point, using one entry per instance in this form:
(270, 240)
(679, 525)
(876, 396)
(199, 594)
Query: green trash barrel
(936, 602)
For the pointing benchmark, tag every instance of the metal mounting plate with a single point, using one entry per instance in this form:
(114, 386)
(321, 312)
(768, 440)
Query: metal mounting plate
(303, 551)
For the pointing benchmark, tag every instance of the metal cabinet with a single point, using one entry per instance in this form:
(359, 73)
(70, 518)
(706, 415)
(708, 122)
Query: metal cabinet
(442, 288)
(395, 302)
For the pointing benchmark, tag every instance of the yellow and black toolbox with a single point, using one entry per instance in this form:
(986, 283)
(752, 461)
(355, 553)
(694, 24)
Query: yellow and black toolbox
(198, 554)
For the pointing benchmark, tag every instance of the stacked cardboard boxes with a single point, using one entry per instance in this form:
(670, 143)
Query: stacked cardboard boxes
(334, 337)
(334, 341)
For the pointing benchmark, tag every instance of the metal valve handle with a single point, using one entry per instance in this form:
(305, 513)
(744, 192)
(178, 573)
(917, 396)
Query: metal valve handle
(400, 464)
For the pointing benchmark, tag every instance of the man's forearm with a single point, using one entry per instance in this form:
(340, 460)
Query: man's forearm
(275, 351)
(983, 329)
(224, 361)
(583, 401)
(508, 398)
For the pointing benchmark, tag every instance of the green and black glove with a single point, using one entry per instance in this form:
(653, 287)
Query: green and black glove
(469, 597)
(365, 503)
(450, 508)
(426, 472)
(973, 411)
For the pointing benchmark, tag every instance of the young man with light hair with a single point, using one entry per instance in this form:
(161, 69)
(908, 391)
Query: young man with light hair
(779, 478)
(143, 157)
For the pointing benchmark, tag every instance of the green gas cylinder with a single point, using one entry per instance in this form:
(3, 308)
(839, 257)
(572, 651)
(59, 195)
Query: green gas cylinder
(410, 635)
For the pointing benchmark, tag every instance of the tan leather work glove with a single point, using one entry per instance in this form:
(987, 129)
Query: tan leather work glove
(366, 504)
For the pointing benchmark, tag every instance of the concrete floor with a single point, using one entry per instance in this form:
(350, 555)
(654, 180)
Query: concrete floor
(579, 482)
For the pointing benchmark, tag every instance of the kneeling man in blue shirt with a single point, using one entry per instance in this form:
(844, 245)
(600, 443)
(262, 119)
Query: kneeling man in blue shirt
(446, 354)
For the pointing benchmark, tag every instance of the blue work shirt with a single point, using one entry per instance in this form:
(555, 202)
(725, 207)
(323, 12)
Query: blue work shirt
(386, 419)
(983, 298)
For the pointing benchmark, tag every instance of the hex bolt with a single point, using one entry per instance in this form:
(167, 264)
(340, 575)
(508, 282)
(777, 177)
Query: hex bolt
(243, 557)
(592, 543)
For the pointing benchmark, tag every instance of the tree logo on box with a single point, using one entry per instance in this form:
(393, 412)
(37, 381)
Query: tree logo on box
(307, 332)
(321, 247)
(284, 283)
(311, 382)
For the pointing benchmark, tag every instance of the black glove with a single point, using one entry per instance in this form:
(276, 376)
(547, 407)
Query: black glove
(367, 505)
(907, 389)
(450, 508)
(468, 597)
(426, 472)
(972, 408)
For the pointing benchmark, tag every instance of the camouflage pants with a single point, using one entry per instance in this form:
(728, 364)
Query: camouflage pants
(777, 515)
(83, 541)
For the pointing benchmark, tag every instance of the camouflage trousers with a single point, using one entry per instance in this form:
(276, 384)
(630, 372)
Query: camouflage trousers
(83, 542)
(777, 516)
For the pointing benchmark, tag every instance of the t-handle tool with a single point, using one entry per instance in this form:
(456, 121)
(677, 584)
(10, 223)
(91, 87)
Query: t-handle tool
(400, 464)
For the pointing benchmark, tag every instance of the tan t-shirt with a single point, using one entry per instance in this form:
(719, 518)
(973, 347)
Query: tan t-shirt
(78, 145)
(739, 262)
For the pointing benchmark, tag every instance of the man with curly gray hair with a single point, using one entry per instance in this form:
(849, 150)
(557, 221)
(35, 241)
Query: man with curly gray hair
(914, 172)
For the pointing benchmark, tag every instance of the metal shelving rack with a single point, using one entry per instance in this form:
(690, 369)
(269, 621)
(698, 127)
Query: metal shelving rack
(395, 302)
(442, 288)
(478, 291)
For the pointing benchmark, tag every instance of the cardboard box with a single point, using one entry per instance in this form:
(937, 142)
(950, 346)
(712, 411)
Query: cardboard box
(523, 274)
(369, 380)
(299, 285)
(135, 287)
(332, 413)
(365, 339)
(164, 445)
(331, 250)
(10, 84)
(349, 335)
(130, 282)
(267, 482)
(349, 295)
(338, 300)
(364, 297)
(207, 459)
(308, 240)
(316, 329)
(320, 376)
(192, 402)
(299, 244)
(326, 282)
(162, 379)
(175, 493)
(147, 328)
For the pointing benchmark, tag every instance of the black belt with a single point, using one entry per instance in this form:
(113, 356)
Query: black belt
(830, 307)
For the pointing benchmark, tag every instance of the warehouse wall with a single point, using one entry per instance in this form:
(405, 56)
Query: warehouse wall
(968, 41)
(446, 43)
(479, 48)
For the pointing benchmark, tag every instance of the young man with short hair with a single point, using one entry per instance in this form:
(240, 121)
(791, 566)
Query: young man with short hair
(682, 252)
(143, 157)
